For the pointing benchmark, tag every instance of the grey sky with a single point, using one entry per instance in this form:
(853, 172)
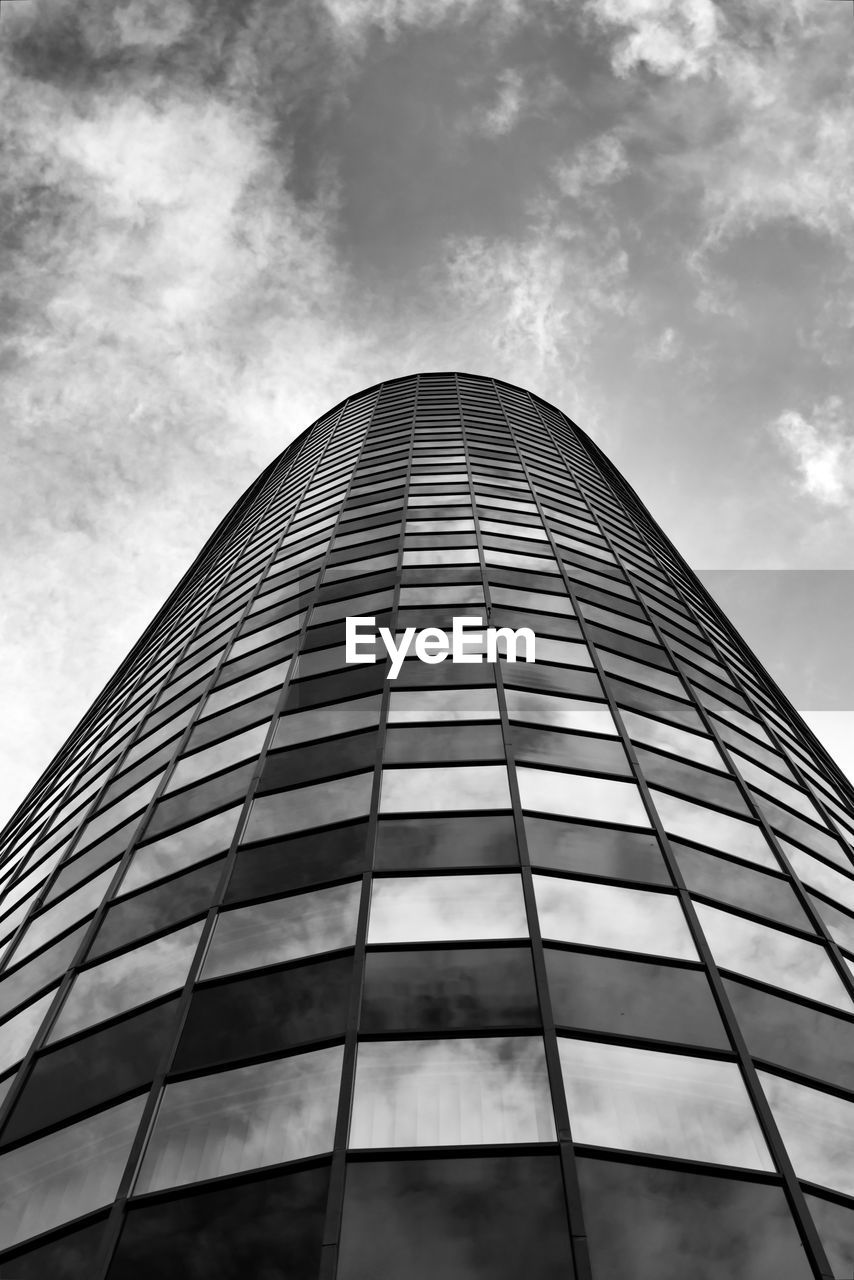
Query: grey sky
(219, 217)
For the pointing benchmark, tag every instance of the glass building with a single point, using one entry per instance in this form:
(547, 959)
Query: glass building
(497, 968)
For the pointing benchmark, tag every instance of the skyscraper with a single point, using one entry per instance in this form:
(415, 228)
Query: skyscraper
(485, 969)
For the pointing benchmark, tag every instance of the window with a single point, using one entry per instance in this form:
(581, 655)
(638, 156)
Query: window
(301, 808)
(663, 1103)
(816, 1128)
(604, 915)
(17, 1034)
(575, 795)
(428, 843)
(181, 849)
(129, 979)
(560, 713)
(243, 1119)
(770, 955)
(690, 821)
(610, 854)
(437, 789)
(284, 929)
(451, 1092)
(65, 1174)
(445, 908)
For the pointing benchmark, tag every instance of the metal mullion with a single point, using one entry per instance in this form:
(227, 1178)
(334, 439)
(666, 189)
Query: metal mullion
(803, 1219)
(566, 1146)
(338, 1166)
(152, 1105)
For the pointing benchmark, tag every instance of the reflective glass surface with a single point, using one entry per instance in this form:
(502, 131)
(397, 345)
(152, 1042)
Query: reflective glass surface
(598, 851)
(284, 929)
(772, 956)
(663, 1103)
(690, 821)
(429, 790)
(666, 1224)
(412, 1093)
(817, 1129)
(492, 1217)
(604, 915)
(574, 795)
(243, 1119)
(443, 908)
(65, 1174)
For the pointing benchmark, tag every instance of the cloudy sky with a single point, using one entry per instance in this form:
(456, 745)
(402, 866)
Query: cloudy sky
(219, 217)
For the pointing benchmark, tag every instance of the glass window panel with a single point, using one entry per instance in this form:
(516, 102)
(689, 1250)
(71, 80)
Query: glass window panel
(243, 1119)
(599, 851)
(219, 756)
(309, 763)
(445, 908)
(615, 996)
(269, 1012)
(560, 713)
(266, 1229)
(17, 1034)
(66, 1174)
(839, 924)
(301, 808)
(82, 902)
(432, 790)
(129, 979)
(570, 750)
(819, 875)
(270, 677)
(667, 1224)
(73, 1256)
(284, 929)
(835, 1224)
(194, 802)
(467, 1218)
(181, 849)
(158, 909)
(449, 990)
(794, 1036)
(740, 886)
(816, 1128)
(412, 706)
(414, 1093)
(770, 955)
(325, 722)
(443, 743)
(50, 964)
(605, 915)
(689, 821)
(666, 1104)
(92, 1070)
(304, 860)
(426, 843)
(575, 795)
(701, 785)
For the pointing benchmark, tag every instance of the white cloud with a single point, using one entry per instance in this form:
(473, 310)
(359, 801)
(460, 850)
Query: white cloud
(669, 37)
(598, 163)
(822, 449)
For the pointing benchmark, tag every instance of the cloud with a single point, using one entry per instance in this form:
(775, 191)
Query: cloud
(600, 162)
(822, 449)
(669, 37)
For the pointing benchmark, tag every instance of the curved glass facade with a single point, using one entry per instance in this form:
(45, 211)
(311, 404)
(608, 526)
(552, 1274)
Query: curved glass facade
(493, 968)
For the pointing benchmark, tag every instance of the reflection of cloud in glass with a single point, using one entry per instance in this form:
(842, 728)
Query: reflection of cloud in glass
(321, 804)
(678, 742)
(575, 795)
(272, 932)
(440, 790)
(181, 849)
(243, 689)
(664, 1103)
(819, 875)
(431, 705)
(128, 980)
(323, 722)
(68, 911)
(818, 1130)
(243, 1119)
(201, 764)
(560, 713)
(451, 1092)
(66, 1174)
(769, 955)
(17, 1034)
(690, 821)
(605, 915)
(446, 908)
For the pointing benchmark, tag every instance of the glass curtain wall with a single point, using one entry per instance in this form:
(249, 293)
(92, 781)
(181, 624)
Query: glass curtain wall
(495, 968)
